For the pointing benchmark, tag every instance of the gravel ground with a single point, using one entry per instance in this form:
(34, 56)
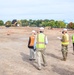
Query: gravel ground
(14, 54)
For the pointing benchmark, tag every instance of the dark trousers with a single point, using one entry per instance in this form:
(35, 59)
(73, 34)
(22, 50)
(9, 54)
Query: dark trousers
(73, 47)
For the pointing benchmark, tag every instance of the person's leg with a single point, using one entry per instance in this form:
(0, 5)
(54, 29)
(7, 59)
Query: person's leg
(66, 50)
(73, 48)
(63, 53)
(34, 55)
(39, 59)
(43, 58)
(31, 54)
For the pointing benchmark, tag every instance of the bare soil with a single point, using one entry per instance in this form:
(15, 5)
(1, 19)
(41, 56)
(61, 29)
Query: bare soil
(14, 53)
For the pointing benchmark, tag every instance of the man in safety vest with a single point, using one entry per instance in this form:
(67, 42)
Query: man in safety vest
(73, 42)
(65, 43)
(41, 41)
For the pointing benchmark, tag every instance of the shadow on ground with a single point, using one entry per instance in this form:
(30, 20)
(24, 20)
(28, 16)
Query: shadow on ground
(25, 58)
(52, 55)
(62, 71)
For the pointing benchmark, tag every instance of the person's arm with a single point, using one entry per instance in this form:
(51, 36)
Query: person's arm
(46, 40)
(35, 44)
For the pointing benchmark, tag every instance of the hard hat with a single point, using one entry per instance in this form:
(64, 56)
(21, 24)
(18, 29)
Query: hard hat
(64, 29)
(33, 31)
(41, 29)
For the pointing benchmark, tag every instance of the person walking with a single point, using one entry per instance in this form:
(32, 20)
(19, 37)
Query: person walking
(64, 43)
(31, 45)
(73, 42)
(41, 42)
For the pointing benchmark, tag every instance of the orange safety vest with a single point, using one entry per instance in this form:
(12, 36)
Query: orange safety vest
(32, 39)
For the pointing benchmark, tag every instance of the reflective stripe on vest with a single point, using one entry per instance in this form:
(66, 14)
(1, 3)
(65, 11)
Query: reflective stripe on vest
(41, 41)
(65, 43)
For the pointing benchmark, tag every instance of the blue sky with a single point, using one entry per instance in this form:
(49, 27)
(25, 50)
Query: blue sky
(37, 9)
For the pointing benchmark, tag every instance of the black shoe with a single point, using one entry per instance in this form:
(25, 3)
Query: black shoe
(39, 68)
(63, 59)
(44, 65)
(30, 59)
(34, 59)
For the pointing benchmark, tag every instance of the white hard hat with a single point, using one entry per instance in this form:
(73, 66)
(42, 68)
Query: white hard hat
(41, 29)
(64, 29)
(33, 31)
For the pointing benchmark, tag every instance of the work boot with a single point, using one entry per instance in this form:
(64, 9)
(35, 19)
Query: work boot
(44, 65)
(64, 59)
(30, 59)
(39, 68)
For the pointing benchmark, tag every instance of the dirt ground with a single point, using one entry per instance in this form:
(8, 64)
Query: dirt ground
(14, 53)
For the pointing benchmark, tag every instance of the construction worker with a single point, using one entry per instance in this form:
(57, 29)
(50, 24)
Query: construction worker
(73, 42)
(41, 41)
(31, 46)
(65, 43)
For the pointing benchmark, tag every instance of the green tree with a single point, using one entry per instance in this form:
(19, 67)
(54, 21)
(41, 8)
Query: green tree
(57, 24)
(52, 23)
(71, 25)
(44, 24)
(25, 22)
(39, 23)
(61, 24)
(1, 23)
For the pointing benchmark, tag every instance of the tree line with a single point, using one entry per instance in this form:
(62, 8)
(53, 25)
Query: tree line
(37, 23)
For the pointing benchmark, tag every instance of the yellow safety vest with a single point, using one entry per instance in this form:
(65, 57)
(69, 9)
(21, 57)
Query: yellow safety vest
(73, 38)
(40, 41)
(65, 39)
